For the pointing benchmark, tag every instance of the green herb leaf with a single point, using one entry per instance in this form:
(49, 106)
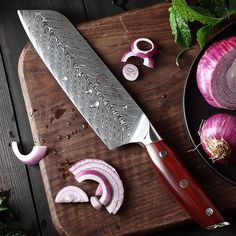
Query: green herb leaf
(202, 35)
(217, 7)
(189, 14)
(202, 11)
(232, 5)
(179, 28)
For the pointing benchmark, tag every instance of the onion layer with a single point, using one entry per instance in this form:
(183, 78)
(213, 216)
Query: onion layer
(33, 158)
(71, 194)
(110, 173)
(101, 179)
(146, 55)
(216, 74)
(218, 137)
(96, 203)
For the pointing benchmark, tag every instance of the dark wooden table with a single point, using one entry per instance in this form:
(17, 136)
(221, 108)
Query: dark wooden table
(28, 196)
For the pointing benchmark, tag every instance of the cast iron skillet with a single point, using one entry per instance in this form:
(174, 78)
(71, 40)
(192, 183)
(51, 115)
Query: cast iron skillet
(197, 109)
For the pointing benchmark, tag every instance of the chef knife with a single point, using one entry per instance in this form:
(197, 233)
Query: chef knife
(109, 109)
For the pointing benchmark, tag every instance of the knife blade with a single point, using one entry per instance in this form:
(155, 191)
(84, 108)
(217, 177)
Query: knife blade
(109, 109)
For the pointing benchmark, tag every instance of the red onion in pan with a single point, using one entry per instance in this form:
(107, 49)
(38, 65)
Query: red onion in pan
(101, 179)
(33, 158)
(71, 194)
(216, 74)
(218, 137)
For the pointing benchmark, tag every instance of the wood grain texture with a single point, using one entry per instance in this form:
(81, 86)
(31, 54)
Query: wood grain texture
(13, 39)
(147, 206)
(13, 174)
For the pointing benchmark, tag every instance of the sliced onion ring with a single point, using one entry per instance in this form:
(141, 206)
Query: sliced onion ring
(71, 194)
(146, 55)
(110, 173)
(101, 179)
(33, 158)
(143, 53)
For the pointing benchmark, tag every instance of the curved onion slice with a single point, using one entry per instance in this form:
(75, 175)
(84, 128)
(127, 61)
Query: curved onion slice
(216, 74)
(101, 179)
(147, 61)
(90, 160)
(96, 203)
(33, 158)
(70, 194)
(110, 173)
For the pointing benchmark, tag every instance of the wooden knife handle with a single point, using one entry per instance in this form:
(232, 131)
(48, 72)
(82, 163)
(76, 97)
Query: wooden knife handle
(184, 188)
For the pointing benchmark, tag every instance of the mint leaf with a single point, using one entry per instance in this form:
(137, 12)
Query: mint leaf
(217, 7)
(202, 11)
(202, 35)
(189, 14)
(179, 28)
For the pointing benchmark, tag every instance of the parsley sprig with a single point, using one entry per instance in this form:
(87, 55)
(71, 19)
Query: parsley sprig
(208, 13)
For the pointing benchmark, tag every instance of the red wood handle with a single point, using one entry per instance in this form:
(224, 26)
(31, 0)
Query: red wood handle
(185, 189)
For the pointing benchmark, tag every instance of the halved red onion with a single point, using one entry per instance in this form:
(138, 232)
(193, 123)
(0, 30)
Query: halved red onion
(71, 194)
(216, 74)
(111, 175)
(218, 137)
(101, 179)
(33, 158)
(96, 203)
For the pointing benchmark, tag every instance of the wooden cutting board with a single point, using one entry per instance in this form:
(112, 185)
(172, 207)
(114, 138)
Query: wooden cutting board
(55, 122)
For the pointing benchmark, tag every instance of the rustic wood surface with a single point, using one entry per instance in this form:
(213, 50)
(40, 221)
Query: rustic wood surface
(147, 206)
(28, 199)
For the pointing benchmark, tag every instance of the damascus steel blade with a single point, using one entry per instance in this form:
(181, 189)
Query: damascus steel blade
(87, 81)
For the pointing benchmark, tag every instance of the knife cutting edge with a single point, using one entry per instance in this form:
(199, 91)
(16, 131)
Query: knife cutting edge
(109, 109)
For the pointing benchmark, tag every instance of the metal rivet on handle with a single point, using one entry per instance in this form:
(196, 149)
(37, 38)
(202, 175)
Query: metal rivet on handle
(209, 211)
(163, 153)
(183, 183)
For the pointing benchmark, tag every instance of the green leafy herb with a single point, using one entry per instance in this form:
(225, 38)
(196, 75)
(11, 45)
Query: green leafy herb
(180, 28)
(202, 35)
(206, 13)
(217, 7)
(189, 14)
